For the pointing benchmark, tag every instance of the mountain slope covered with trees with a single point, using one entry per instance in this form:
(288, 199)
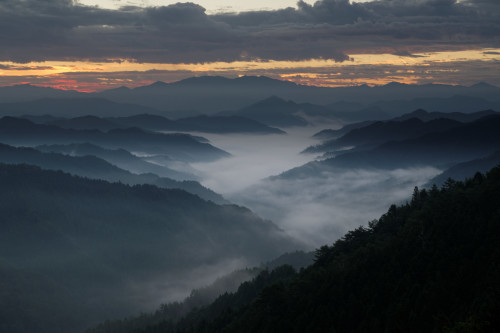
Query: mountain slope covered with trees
(430, 265)
(109, 249)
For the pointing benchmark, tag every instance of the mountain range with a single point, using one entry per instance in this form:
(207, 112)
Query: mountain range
(119, 157)
(217, 94)
(202, 123)
(279, 112)
(368, 134)
(91, 166)
(379, 132)
(182, 147)
(464, 170)
(71, 107)
(440, 149)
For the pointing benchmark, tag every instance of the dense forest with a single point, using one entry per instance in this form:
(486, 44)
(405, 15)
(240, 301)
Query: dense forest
(429, 265)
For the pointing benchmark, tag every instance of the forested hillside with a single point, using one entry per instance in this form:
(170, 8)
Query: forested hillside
(430, 265)
(75, 251)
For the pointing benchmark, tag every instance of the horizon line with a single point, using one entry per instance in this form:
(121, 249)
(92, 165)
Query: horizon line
(371, 85)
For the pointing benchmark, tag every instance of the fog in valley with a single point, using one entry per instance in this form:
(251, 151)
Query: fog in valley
(254, 157)
(315, 210)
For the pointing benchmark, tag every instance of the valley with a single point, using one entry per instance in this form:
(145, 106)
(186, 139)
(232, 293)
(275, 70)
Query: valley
(118, 214)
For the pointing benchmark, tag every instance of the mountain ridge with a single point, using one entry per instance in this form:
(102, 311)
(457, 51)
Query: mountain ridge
(111, 246)
(215, 94)
(183, 147)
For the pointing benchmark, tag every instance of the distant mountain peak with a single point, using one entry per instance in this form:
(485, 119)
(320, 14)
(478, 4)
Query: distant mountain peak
(419, 112)
(395, 84)
(483, 85)
(14, 123)
(204, 79)
(33, 87)
(272, 100)
(146, 116)
(158, 84)
(91, 117)
(129, 130)
(262, 79)
(23, 85)
(121, 89)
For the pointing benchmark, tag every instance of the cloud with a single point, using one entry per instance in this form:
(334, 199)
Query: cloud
(319, 210)
(32, 30)
(24, 68)
(408, 54)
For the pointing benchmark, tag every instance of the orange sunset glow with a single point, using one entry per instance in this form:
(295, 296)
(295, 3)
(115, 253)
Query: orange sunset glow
(439, 67)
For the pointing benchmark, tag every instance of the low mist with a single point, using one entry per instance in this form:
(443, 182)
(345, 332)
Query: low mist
(318, 211)
(315, 210)
(176, 286)
(254, 157)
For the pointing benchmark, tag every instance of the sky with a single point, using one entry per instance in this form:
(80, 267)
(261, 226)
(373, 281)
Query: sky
(92, 45)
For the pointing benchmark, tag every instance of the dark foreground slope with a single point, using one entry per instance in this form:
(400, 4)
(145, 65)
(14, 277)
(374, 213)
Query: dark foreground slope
(431, 265)
(76, 251)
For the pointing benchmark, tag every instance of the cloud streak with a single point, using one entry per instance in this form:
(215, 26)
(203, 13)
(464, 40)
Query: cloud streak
(32, 30)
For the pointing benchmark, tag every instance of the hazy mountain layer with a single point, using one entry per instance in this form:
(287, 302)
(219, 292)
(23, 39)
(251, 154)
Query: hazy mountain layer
(418, 114)
(441, 149)
(119, 157)
(380, 132)
(214, 94)
(226, 124)
(276, 111)
(463, 170)
(328, 134)
(85, 104)
(182, 147)
(457, 116)
(93, 167)
(207, 124)
(114, 249)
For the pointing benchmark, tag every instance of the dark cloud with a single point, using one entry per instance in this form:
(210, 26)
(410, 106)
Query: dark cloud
(408, 54)
(33, 30)
(24, 68)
